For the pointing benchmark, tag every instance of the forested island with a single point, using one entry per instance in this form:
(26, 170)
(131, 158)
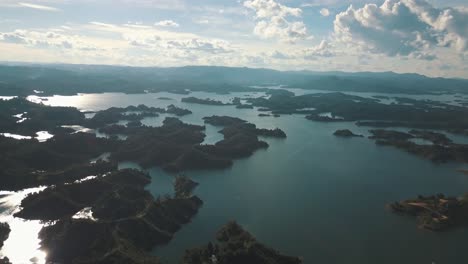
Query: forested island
(436, 212)
(194, 100)
(235, 245)
(120, 221)
(124, 221)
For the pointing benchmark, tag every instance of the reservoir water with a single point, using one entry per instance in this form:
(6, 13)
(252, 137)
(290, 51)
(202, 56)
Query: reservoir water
(312, 194)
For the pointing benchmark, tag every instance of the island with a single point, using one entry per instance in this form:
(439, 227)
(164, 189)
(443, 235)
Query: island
(441, 148)
(175, 146)
(207, 101)
(20, 116)
(63, 158)
(4, 233)
(184, 186)
(340, 107)
(172, 109)
(436, 212)
(132, 114)
(124, 222)
(235, 245)
(244, 106)
(345, 133)
(236, 124)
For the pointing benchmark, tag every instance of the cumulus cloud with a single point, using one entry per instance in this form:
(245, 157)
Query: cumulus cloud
(323, 49)
(16, 37)
(324, 12)
(403, 28)
(156, 40)
(45, 40)
(210, 46)
(166, 23)
(452, 23)
(273, 21)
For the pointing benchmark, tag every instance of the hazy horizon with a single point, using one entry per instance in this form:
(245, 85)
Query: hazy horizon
(402, 36)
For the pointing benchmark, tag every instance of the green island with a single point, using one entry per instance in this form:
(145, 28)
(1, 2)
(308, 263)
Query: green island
(441, 148)
(436, 212)
(235, 245)
(125, 219)
(207, 101)
(345, 133)
(117, 221)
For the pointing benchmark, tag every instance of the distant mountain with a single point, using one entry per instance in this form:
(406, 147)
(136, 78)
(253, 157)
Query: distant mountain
(74, 78)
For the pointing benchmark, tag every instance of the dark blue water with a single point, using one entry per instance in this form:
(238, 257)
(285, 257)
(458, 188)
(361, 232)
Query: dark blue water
(312, 195)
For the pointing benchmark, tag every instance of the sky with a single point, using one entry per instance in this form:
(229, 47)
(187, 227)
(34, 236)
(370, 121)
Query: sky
(429, 37)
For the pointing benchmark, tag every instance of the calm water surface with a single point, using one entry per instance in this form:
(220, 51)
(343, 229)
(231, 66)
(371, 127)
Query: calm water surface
(311, 195)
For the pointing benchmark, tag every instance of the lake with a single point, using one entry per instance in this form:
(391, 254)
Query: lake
(312, 194)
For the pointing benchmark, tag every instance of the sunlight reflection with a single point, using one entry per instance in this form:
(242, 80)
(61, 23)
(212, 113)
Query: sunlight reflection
(7, 97)
(43, 136)
(86, 213)
(22, 245)
(15, 136)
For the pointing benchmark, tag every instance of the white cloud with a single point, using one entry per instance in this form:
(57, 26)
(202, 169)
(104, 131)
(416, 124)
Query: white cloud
(166, 42)
(39, 7)
(450, 22)
(411, 28)
(324, 49)
(324, 12)
(273, 21)
(46, 40)
(166, 23)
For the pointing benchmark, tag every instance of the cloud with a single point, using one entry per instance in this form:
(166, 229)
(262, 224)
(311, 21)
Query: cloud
(46, 40)
(273, 21)
(281, 56)
(403, 28)
(452, 23)
(166, 23)
(204, 45)
(324, 49)
(324, 12)
(161, 41)
(39, 7)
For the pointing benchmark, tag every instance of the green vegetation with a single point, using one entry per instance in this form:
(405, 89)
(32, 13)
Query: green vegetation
(235, 245)
(345, 133)
(37, 117)
(194, 100)
(441, 150)
(126, 220)
(437, 212)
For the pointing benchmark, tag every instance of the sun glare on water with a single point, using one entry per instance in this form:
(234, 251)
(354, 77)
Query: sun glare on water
(22, 245)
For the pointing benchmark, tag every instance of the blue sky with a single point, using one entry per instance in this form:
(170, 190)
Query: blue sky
(428, 37)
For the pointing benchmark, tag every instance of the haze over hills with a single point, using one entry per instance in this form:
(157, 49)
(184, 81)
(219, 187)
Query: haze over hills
(77, 78)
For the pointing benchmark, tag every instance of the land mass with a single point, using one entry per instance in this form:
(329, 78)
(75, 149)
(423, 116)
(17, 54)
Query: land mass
(345, 133)
(207, 101)
(68, 79)
(126, 220)
(235, 245)
(437, 212)
(441, 148)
